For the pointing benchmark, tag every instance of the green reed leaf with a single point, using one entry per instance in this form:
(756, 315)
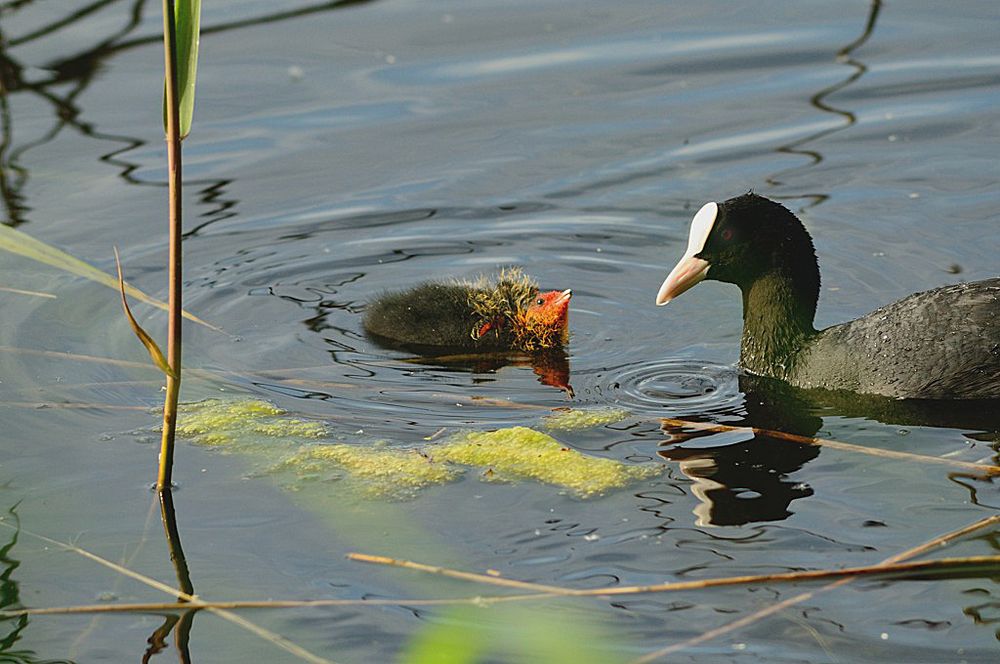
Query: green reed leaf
(154, 351)
(22, 244)
(187, 21)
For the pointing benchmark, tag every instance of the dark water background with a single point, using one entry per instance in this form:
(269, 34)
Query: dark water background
(340, 149)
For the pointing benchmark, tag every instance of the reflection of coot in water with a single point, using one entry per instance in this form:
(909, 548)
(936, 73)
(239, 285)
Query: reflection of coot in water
(483, 325)
(939, 344)
(747, 481)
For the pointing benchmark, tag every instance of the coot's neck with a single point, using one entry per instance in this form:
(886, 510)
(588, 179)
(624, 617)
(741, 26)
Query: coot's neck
(778, 313)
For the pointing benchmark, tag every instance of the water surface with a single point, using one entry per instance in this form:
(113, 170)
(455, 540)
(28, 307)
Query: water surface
(342, 149)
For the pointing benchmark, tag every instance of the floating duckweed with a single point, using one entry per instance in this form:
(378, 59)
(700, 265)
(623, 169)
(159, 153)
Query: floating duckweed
(520, 452)
(579, 418)
(385, 471)
(225, 422)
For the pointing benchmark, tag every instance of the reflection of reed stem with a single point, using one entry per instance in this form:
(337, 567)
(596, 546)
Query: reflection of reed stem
(189, 601)
(169, 518)
(158, 640)
(182, 636)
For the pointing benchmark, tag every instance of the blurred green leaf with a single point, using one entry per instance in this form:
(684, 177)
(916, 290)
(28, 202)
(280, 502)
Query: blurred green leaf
(544, 634)
(450, 641)
(187, 21)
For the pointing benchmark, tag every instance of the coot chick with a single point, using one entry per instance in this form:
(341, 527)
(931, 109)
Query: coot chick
(506, 314)
(938, 344)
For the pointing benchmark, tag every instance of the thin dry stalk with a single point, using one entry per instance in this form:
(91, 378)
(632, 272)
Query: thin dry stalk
(838, 445)
(188, 600)
(205, 374)
(458, 574)
(882, 569)
(757, 616)
(908, 569)
(71, 405)
(32, 293)
(891, 566)
(922, 569)
(90, 385)
(165, 607)
(276, 639)
(126, 560)
(76, 357)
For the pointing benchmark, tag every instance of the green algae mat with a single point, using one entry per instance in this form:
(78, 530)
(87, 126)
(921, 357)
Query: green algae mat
(309, 451)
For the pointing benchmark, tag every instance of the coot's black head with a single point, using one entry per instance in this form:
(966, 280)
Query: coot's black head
(740, 241)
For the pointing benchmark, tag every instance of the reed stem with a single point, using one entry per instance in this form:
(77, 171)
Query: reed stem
(172, 105)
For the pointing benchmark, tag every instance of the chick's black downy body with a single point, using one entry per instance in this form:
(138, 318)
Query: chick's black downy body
(431, 315)
(507, 314)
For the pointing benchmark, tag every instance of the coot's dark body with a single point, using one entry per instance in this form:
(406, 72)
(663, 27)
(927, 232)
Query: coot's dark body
(938, 344)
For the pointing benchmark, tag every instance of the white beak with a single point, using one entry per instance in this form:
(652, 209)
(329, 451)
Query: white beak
(690, 270)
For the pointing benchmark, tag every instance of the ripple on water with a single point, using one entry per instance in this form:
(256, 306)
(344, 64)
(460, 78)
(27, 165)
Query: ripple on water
(676, 386)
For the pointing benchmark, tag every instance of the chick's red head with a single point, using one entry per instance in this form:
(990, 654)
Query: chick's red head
(545, 323)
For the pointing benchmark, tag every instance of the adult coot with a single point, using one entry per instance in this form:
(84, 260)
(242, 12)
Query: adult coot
(508, 313)
(938, 344)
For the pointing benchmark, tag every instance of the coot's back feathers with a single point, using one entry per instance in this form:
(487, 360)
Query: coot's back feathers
(938, 344)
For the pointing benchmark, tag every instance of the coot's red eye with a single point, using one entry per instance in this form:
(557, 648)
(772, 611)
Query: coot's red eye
(539, 301)
(727, 234)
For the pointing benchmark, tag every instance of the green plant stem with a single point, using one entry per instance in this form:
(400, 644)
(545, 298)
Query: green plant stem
(175, 275)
